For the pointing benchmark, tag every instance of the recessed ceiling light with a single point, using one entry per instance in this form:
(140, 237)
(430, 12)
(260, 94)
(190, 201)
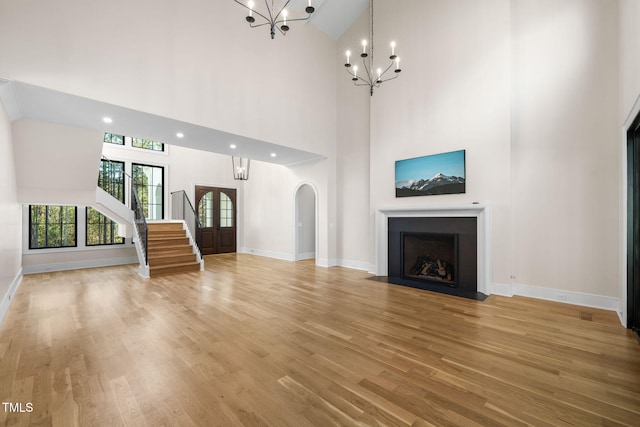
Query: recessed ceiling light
(232, 146)
(273, 154)
(107, 119)
(180, 135)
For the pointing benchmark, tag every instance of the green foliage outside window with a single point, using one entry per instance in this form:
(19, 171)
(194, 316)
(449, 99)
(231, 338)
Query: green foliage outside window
(111, 178)
(112, 138)
(147, 144)
(149, 183)
(52, 226)
(101, 230)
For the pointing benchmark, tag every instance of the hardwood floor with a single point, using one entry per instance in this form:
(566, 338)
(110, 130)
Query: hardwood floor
(255, 341)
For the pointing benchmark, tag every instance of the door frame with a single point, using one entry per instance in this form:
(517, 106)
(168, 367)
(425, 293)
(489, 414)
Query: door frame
(296, 255)
(239, 216)
(623, 309)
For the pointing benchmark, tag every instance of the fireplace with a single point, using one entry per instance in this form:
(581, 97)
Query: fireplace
(430, 257)
(435, 253)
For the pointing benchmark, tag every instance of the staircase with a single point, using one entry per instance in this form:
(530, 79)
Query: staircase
(170, 249)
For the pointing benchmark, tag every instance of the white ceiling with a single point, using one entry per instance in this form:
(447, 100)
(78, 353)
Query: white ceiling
(334, 17)
(25, 101)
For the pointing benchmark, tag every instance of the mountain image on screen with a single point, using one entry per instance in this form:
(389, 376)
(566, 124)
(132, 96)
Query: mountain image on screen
(438, 184)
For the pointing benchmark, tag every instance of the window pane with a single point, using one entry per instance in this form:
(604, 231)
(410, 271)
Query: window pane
(147, 144)
(112, 138)
(226, 211)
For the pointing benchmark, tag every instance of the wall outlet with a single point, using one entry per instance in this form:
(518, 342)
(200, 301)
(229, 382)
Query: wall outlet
(561, 296)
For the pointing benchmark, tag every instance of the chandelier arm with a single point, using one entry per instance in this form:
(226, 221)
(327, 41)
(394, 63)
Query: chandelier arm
(364, 62)
(390, 78)
(366, 82)
(387, 69)
(275, 19)
(295, 19)
(253, 10)
(259, 25)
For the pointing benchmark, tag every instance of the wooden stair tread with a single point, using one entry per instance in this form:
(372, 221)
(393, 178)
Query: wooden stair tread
(158, 261)
(174, 268)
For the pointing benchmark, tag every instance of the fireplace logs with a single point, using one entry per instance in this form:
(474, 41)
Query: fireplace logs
(429, 269)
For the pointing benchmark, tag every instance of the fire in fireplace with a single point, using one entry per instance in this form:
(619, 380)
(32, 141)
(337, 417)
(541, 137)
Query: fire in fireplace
(431, 257)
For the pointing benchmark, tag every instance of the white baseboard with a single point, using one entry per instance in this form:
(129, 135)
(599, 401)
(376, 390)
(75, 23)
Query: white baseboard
(269, 254)
(501, 289)
(76, 265)
(356, 265)
(568, 297)
(6, 300)
(324, 262)
(306, 255)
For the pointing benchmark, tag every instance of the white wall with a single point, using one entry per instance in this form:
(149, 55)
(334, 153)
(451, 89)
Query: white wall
(176, 60)
(453, 94)
(193, 60)
(56, 164)
(10, 220)
(565, 150)
(354, 232)
(529, 90)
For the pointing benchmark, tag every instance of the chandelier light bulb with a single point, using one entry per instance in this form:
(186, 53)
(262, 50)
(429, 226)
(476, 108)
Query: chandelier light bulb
(393, 48)
(250, 4)
(284, 15)
(348, 57)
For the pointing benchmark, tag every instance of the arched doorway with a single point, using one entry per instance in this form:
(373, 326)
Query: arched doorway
(305, 222)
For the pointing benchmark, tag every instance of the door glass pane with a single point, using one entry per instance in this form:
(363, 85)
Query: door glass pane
(226, 211)
(205, 210)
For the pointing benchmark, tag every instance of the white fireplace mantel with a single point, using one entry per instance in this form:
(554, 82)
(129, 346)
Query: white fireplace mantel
(481, 212)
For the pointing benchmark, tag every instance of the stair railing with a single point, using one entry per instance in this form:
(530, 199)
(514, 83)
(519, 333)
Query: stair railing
(182, 209)
(109, 179)
(141, 223)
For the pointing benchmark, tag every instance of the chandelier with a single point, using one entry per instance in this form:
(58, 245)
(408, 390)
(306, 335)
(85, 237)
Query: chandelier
(369, 77)
(240, 168)
(272, 16)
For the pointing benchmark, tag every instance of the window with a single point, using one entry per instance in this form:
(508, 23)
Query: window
(149, 184)
(205, 210)
(112, 138)
(226, 211)
(147, 144)
(101, 230)
(111, 178)
(52, 226)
